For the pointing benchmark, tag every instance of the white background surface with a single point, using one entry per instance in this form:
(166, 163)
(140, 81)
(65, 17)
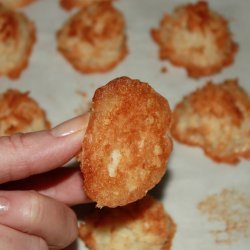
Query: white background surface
(191, 176)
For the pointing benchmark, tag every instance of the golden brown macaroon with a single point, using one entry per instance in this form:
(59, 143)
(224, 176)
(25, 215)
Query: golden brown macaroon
(13, 4)
(196, 38)
(17, 36)
(126, 145)
(20, 113)
(216, 118)
(94, 40)
(70, 4)
(138, 226)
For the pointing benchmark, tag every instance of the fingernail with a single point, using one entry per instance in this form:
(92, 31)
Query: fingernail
(4, 205)
(71, 126)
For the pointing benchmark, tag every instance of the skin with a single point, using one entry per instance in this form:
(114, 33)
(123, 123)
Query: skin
(35, 194)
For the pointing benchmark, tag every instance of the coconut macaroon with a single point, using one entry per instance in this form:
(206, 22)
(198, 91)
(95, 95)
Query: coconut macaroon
(126, 145)
(138, 226)
(70, 4)
(94, 40)
(17, 36)
(216, 118)
(13, 4)
(196, 38)
(20, 113)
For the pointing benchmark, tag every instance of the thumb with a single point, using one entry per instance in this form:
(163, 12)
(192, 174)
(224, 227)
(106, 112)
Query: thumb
(23, 155)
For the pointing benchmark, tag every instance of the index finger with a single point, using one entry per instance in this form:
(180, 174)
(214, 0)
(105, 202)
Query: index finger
(63, 184)
(23, 155)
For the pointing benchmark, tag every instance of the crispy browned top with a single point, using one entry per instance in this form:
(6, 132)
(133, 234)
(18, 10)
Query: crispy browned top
(198, 15)
(8, 25)
(221, 100)
(98, 21)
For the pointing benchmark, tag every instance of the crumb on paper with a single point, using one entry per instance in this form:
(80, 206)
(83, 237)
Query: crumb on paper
(232, 208)
(85, 103)
(164, 69)
(81, 93)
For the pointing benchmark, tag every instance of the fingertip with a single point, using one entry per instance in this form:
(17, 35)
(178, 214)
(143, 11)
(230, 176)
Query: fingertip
(71, 126)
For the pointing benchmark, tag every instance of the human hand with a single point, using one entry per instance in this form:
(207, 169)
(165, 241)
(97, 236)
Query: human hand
(40, 219)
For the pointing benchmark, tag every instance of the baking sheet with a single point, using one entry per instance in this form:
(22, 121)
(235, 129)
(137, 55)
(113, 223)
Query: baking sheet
(191, 176)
